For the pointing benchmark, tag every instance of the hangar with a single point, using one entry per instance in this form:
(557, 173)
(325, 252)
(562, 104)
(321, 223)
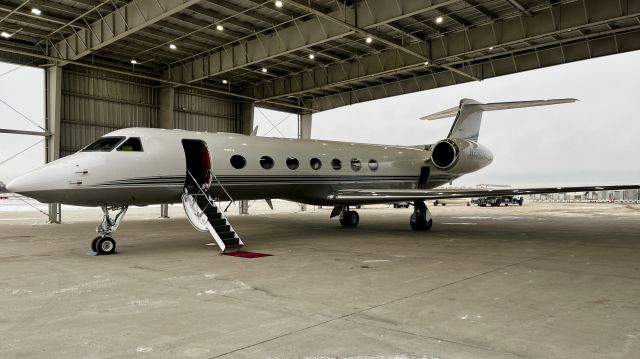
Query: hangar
(204, 65)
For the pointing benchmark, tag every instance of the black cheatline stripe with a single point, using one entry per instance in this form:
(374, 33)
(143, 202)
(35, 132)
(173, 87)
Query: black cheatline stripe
(263, 182)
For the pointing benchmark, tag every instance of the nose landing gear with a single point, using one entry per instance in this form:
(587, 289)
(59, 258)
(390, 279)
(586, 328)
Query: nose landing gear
(421, 219)
(105, 244)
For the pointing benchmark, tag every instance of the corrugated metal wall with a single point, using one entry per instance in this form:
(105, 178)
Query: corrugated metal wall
(203, 112)
(95, 102)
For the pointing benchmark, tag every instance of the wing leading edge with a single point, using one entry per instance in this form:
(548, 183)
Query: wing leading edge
(392, 195)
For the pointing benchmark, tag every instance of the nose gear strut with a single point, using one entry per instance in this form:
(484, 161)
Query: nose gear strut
(105, 244)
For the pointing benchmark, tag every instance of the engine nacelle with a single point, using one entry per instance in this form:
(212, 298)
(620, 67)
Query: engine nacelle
(460, 156)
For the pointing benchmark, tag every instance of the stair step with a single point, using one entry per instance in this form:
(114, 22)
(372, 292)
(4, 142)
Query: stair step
(226, 235)
(232, 242)
(210, 209)
(212, 216)
(217, 222)
(202, 202)
(222, 228)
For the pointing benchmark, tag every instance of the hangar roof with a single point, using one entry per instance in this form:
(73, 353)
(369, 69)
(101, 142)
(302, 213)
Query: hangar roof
(313, 55)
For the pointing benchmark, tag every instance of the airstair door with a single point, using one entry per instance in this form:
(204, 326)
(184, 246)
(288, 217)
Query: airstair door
(198, 163)
(202, 211)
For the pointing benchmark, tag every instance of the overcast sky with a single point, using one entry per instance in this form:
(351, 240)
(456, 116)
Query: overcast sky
(594, 141)
(21, 87)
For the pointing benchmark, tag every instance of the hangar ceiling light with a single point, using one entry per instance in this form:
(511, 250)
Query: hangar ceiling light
(134, 62)
(439, 20)
(368, 39)
(172, 47)
(264, 69)
(279, 3)
(312, 56)
(225, 82)
(36, 11)
(219, 27)
(5, 34)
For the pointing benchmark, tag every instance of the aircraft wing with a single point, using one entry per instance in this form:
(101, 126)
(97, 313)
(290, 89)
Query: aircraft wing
(394, 195)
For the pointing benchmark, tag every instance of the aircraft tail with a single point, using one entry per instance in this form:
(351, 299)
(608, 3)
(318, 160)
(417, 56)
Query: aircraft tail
(469, 114)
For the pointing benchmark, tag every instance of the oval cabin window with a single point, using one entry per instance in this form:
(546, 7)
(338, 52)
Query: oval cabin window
(292, 163)
(336, 164)
(266, 162)
(356, 164)
(315, 164)
(238, 162)
(373, 165)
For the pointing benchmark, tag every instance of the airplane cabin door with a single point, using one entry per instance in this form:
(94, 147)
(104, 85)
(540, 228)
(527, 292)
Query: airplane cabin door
(198, 163)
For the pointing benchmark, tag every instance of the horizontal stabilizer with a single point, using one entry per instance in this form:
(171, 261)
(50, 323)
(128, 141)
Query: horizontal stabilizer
(475, 107)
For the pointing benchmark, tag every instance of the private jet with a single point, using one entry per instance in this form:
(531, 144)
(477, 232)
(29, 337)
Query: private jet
(145, 166)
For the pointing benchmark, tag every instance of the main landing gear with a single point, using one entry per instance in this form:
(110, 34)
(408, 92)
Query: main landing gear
(105, 244)
(421, 219)
(347, 218)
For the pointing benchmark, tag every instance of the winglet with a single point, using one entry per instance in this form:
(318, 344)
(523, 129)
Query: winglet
(255, 131)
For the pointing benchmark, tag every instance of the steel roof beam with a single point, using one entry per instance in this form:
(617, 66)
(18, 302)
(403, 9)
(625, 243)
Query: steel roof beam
(117, 25)
(449, 49)
(519, 6)
(300, 36)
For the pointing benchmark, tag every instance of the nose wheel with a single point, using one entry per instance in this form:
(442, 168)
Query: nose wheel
(105, 244)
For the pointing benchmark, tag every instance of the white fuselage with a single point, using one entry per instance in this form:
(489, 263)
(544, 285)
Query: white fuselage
(157, 173)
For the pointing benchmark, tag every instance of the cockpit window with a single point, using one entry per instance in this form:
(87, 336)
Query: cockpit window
(133, 144)
(103, 144)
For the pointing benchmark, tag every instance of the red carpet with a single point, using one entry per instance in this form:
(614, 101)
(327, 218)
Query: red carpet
(243, 254)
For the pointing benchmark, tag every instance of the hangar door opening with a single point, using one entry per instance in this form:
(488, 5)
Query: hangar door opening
(22, 119)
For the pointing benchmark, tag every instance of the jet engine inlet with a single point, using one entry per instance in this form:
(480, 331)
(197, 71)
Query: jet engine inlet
(445, 154)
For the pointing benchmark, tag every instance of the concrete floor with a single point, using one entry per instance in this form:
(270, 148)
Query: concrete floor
(538, 281)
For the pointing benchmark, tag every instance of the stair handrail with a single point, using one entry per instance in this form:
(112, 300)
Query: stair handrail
(221, 186)
(201, 191)
(205, 194)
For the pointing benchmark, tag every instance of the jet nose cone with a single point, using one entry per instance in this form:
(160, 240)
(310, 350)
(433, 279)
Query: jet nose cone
(14, 186)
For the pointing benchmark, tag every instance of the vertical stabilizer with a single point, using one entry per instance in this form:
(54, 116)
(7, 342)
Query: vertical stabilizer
(469, 114)
(467, 122)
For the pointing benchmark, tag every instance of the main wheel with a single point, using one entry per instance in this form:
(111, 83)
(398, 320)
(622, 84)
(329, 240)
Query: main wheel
(418, 223)
(106, 245)
(350, 219)
(94, 243)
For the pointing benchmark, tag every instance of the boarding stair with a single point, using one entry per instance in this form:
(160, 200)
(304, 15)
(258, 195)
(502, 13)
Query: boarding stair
(206, 215)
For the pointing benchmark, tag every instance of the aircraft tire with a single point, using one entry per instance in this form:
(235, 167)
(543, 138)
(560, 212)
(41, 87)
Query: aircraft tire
(353, 218)
(106, 246)
(94, 243)
(420, 224)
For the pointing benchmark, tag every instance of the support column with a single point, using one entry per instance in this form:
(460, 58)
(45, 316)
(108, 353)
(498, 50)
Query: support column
(164, 210)
(53, 111)
(304, 126)
(246, 127)
(166, 98)
(304, 133)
